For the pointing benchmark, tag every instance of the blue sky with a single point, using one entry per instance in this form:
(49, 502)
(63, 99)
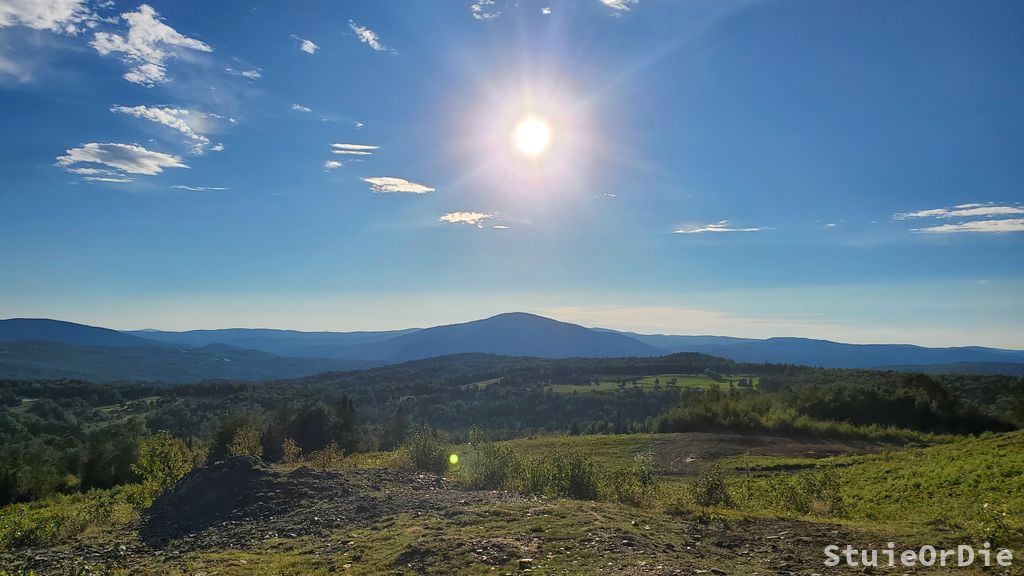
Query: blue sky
(842, 170)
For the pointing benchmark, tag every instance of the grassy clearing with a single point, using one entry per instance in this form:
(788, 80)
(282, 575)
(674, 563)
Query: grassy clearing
(481, 384)
(62, 517)
(971, 488)
(607, 384)
(936, 494)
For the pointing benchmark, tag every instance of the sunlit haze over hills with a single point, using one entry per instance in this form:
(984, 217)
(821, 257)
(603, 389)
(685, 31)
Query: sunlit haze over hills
(846, 171)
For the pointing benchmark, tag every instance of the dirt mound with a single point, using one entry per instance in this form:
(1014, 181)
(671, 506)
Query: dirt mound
(241, 500)
(239, 489)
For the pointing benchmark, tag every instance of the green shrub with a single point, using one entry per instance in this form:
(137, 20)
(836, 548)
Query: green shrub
(635, 485)
(427, 451)
(60, 517)
(329, 457)
(568, 475)
(163, 460)
(815, 492)
(246, 442)
(290, 451)
(709, 488)
(493, 467)
(992, 526)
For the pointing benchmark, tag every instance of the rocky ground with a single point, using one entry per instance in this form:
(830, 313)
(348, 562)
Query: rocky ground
(241, 517)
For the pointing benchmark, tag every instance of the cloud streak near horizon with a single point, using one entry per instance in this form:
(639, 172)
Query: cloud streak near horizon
(720, 226)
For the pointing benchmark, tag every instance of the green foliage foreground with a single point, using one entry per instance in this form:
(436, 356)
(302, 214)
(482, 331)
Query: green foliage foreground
(559, 474)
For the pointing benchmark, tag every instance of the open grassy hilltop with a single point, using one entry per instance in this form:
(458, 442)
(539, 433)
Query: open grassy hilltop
(691, 503)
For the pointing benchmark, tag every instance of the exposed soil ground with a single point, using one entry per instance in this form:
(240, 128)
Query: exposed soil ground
(241, 517)
(685, 454)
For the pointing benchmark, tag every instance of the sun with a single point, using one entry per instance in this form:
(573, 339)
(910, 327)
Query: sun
(532, 136)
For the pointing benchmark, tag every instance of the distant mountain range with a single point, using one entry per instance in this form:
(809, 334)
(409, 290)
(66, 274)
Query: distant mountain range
(280, 342)
(157, 363)
(42, 348)
(45, 330)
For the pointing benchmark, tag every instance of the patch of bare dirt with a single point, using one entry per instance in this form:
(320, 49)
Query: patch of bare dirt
(688, 453)
(232, 503)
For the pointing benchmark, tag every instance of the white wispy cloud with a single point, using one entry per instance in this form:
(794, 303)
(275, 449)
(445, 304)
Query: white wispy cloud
(63, 16)
(306, 45)
(720, 226)
(619, 5)
(121, 158)
(500, 227)
(89, 171)
(545, 10)
(301, 108)
(484, 10)
(108, 179)
(367, 36)
(252, 74)
(198, 188)
(174, 118)
(353, 149)
(472, 218)
(145, 47)
(388, 184)
(981, 226)
(332, 164)
(217, 147)
(973, 210)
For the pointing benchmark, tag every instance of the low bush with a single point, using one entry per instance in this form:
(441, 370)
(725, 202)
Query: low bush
(427, 450)
(493, 467)
(329, 457)
(816, 492)
(58, 518)
(564, 475)
(635, 485)
(709, 488)
(163, 460)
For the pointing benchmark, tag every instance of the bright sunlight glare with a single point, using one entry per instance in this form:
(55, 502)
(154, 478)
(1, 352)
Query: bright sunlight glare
(532, 136)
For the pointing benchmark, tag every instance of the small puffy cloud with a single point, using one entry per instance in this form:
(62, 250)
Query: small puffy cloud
(484, 10)
(331, 165)
(979, 226)
(307, 46)
(390, 185)
(619, 5)
(63, 16)
(252, 74)
(146, 46)
(545, 10)
(198, 188)
(217, 147)
(353, 149)
(720, 226)
(301, 108)
(472, 218)
(974, 210)
(121, 158)
(367, 36)
(174, 118)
